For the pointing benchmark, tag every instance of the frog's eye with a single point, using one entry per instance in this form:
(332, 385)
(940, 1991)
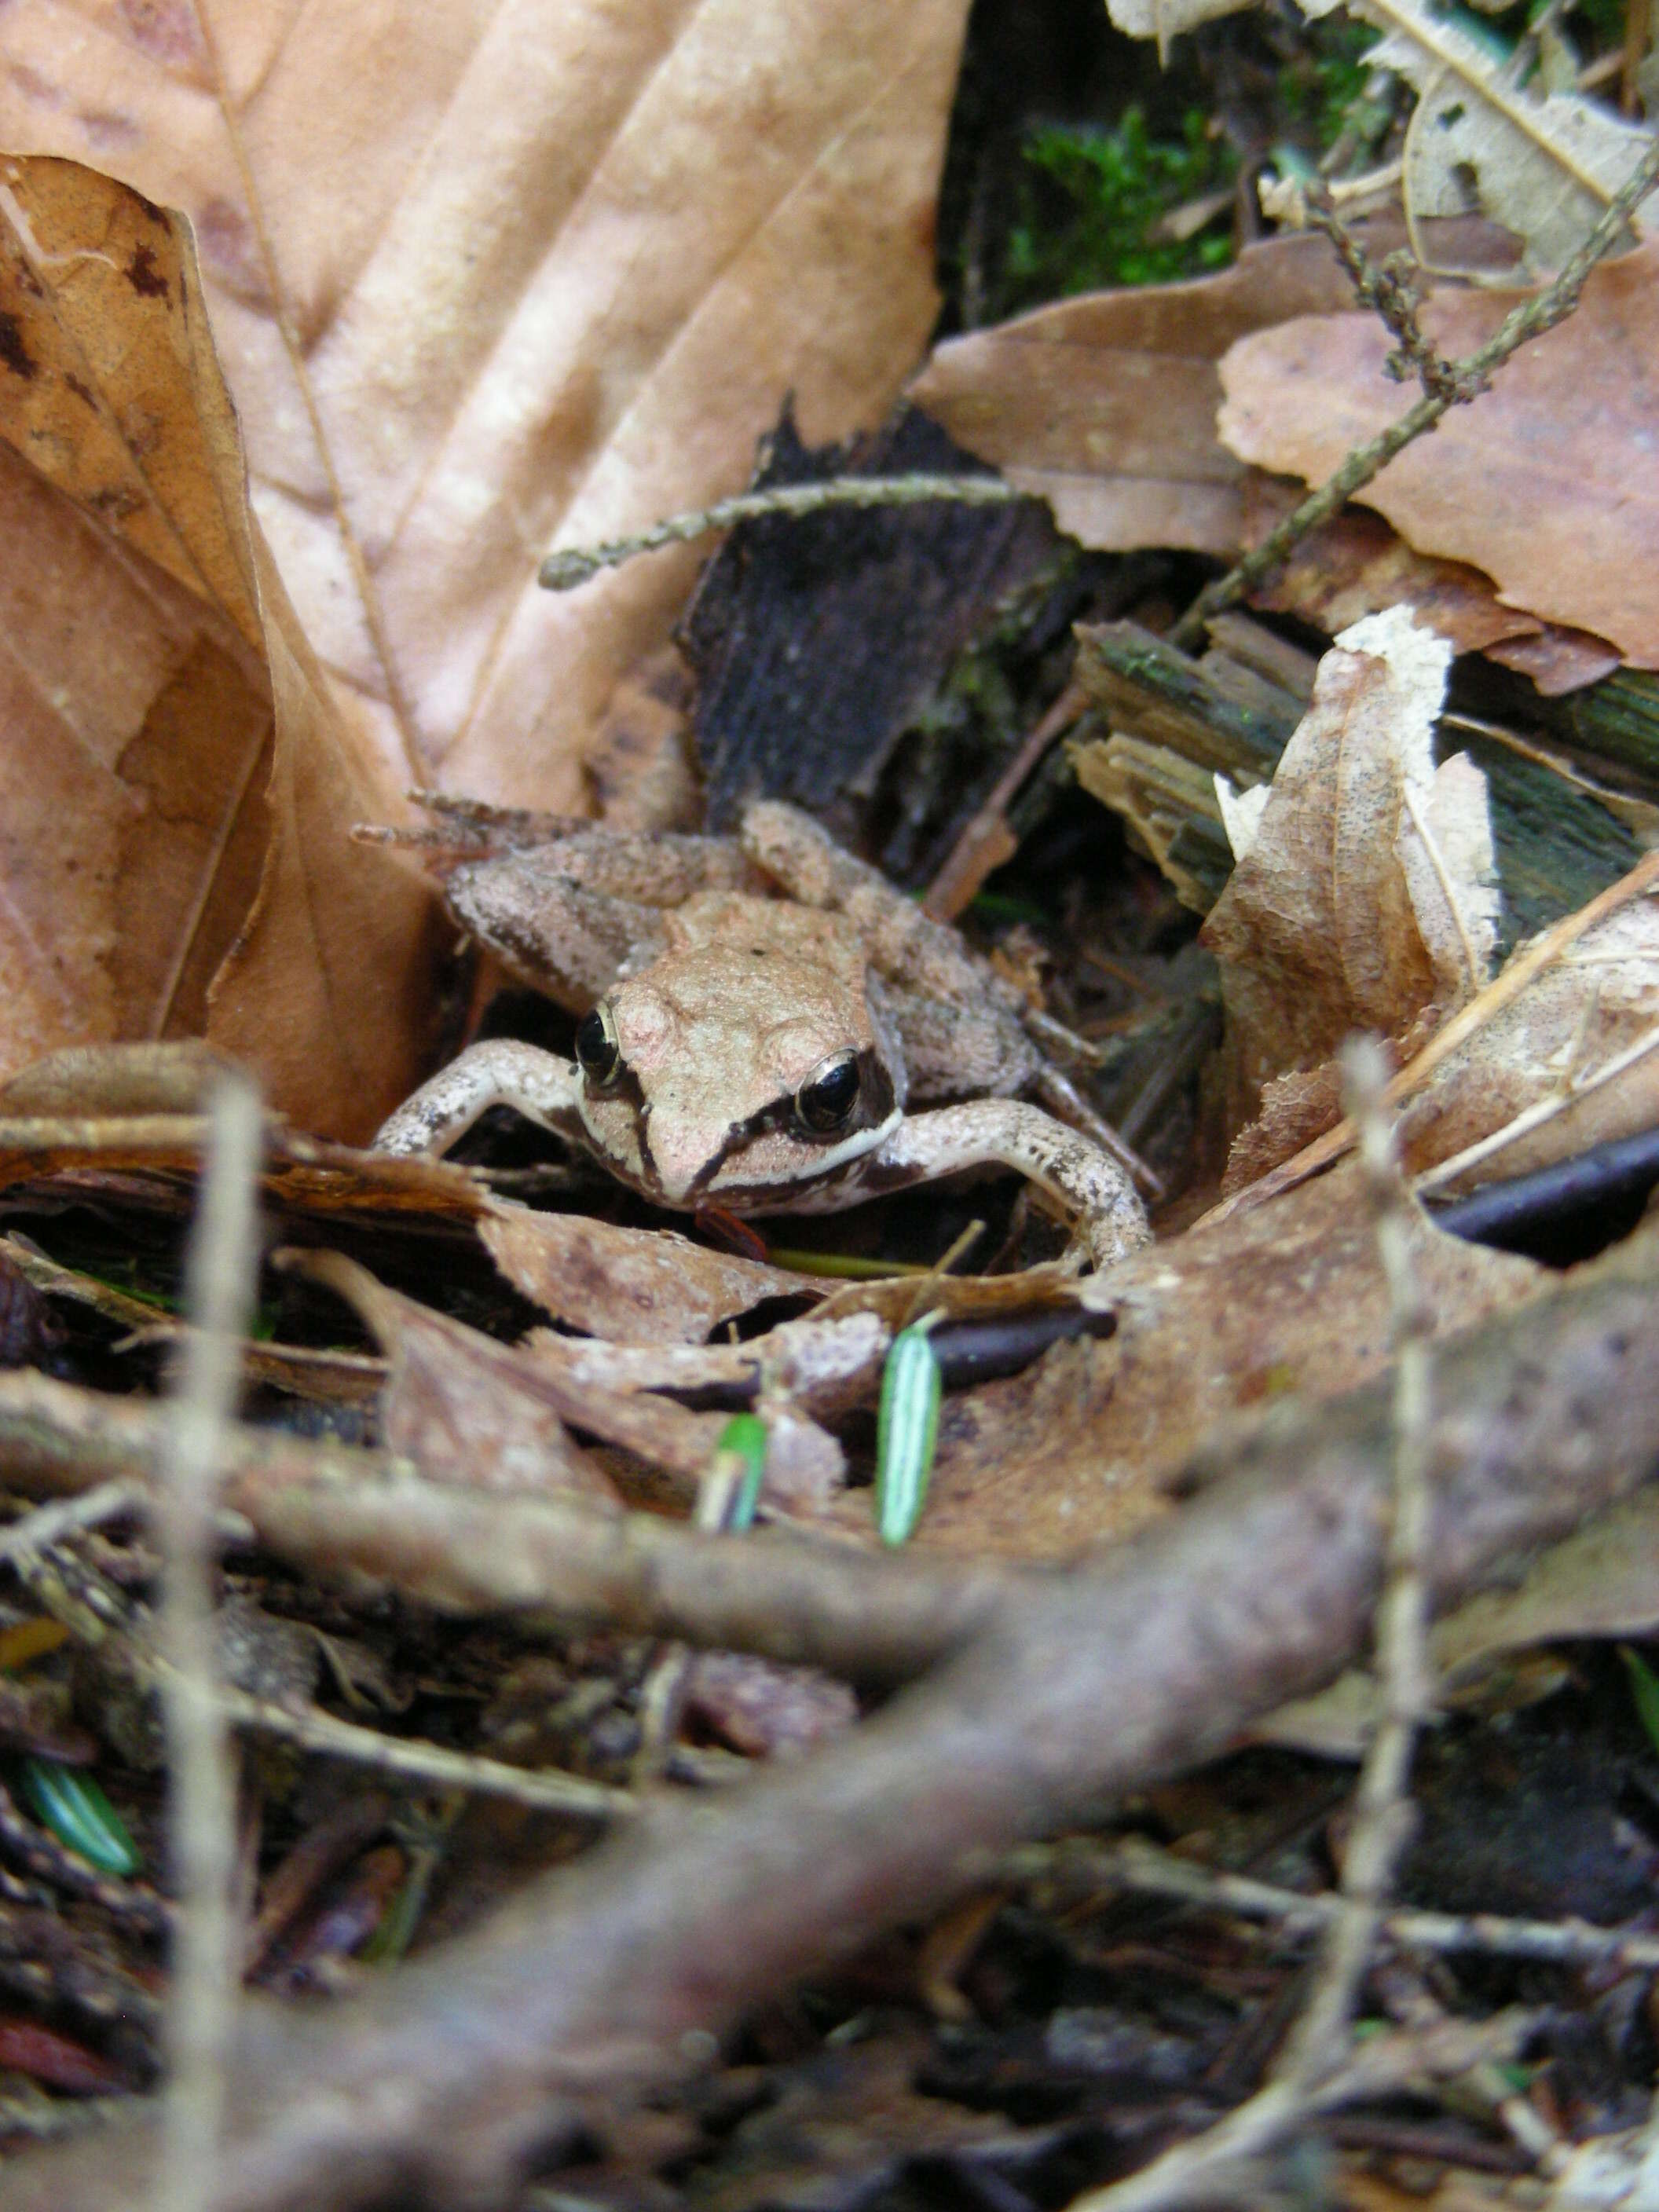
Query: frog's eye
(597, 1048)
(826, 1099)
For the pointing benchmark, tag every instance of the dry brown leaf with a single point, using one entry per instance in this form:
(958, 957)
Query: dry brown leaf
(464, 1408)
(1284, 1300)
(1363, 897)
(1106, 406)
(178, 786)
(653, 1429)
(1354, 565)
(485, 279)
(647, 1286)
(1545, 483)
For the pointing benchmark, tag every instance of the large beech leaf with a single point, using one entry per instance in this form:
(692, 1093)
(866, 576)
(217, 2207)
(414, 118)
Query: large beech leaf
(486, 276)
(178, 780)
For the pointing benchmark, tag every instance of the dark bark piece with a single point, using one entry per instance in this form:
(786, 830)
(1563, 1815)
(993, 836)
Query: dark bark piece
(815, 640)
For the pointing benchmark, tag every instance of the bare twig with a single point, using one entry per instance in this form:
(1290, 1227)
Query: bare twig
(220, 1275)
(1541, 313)
(31, 1538)
(565, 571)
(1382, 1811)
(1392, 289)
(1317, 2053)
(1079, 1868)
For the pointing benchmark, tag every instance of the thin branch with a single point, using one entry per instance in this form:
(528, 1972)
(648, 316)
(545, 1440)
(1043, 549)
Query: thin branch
(1525, 322)
(220, 1271)
(1318, 2056)
(1081, 1869)
(565, 571)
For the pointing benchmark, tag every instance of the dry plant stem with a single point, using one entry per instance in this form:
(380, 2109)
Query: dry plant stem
(1382, 1812)
(565, 571)
(610, 1975)
(220, 1271)
(427, 1763)
(29, 1539)
(1387, 292)
(1465, 381)
(1082, 1869)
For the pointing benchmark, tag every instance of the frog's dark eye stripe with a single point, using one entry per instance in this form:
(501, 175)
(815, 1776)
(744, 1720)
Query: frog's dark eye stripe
(596, 1048)
(826, 1100)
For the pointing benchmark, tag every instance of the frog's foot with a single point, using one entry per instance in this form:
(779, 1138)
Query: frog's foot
(1110, 1219)
(501, 1072)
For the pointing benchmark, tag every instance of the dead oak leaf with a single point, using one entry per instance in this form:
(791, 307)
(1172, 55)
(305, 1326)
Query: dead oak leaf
(1105, 405)
(1546, 481)
(488, 278)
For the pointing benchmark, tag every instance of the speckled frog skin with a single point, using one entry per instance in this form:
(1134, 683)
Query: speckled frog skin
(761, 1017)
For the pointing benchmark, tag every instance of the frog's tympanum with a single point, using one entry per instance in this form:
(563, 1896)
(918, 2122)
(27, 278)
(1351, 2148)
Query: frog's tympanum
(760, 1017)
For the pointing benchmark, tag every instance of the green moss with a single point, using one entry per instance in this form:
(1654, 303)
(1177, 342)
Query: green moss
(1321, 86)
(1091, 202)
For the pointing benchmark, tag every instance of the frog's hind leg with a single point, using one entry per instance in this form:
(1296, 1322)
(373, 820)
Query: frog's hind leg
(499, 1072)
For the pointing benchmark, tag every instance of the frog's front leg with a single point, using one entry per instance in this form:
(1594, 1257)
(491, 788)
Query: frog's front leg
(1110, 1219)
(498, 1072)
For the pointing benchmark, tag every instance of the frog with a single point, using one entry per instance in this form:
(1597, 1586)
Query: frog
(761, 1016)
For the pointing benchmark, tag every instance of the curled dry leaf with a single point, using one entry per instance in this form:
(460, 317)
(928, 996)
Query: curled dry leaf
(1106, 406)
(464, 1408)
(653, 1429)
(1363, 897)
(484, 278)
(1284, 1303)
(179, 782)
(641, 1286)
(1545, 482)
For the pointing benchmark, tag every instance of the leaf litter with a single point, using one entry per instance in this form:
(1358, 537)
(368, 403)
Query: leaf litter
(1362, 895)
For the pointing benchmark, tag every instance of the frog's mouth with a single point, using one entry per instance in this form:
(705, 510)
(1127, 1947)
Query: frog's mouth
(750, 1178)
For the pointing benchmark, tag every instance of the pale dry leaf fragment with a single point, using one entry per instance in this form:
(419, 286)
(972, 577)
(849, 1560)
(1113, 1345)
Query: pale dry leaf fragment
(1165, 20)
(1603, 1581)
(177, 790)
(1105, 405)
(1241, 813)
(489, 278)
(1546, 482)
(1365, 896)
(1572, 1061)
(1545, 167)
